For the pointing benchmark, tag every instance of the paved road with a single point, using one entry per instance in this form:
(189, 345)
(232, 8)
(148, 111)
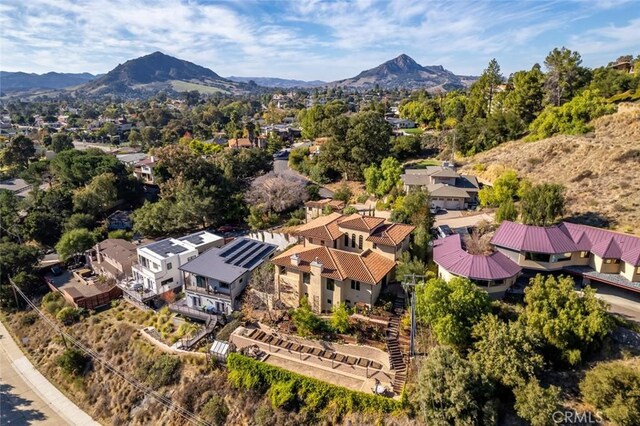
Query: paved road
(282, 166)
(26, 397)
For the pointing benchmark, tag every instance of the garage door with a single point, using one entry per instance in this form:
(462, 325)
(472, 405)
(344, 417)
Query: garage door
(453, 205)
(436, 202)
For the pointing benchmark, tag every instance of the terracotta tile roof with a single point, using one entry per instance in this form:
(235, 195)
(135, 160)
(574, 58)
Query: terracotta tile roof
(367, 267)
(324, 228)
(360, 223)
(391, 234)
(240, 143)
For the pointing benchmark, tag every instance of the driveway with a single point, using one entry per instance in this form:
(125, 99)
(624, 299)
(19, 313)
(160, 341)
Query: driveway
(455, 219)
(623, 302)
(282, 167)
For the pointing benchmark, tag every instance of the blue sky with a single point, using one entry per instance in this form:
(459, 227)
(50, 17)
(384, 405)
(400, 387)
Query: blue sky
(310, 39)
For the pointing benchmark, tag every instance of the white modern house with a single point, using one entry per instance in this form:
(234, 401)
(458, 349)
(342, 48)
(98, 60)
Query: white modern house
(215, 280)
(157, 273)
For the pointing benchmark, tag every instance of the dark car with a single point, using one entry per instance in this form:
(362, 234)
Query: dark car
(444, 231)
(57, 270)
(281, 155)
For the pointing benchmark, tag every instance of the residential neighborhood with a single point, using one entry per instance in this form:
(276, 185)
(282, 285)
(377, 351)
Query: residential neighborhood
(213, 224)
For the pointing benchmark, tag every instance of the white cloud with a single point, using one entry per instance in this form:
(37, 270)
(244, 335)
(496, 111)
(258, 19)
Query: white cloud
(304, 39)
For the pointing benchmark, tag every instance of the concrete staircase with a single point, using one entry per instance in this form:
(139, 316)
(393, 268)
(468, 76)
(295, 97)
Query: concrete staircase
(396, 356)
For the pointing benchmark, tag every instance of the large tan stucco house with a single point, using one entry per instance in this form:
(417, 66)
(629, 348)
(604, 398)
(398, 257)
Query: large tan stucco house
(340, 259)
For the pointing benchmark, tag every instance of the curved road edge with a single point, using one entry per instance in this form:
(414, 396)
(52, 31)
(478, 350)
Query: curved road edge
(56, 400)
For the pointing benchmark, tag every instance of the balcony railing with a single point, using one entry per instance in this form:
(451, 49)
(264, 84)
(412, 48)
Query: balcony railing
(207, 291)
(196, 313)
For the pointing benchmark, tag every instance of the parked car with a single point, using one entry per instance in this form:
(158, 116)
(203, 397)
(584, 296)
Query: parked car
(444, 231)
(57, 270)
(281, 155)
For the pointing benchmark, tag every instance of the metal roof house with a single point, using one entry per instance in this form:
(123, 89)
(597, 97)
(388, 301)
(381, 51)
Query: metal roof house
(592, 254)
(588, 253)
(215, 279)
(495, 272)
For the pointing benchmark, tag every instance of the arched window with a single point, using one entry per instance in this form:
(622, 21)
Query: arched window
(360, 242)
(353, 240)
(346, 240)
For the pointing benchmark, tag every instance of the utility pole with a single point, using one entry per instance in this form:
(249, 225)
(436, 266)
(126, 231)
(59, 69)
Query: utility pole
(409, 283)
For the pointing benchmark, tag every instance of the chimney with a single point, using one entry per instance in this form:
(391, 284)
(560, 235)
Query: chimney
(295, 259)
(316, 264)
(98, 254)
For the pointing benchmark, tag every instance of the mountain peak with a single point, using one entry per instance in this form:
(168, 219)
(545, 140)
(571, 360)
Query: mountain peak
(405, 72)
(158, 70)
(404, 61)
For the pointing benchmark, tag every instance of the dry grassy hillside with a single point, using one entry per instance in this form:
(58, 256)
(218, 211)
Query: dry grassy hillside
(600, 170)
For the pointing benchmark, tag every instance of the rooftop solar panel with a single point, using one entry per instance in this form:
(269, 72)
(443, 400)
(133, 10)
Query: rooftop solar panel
(194, 238)
(258, 257)
(233, 246)
(240, 253)
(240, 258)
(166, 247)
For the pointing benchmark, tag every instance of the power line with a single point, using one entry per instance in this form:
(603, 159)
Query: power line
(185, 414)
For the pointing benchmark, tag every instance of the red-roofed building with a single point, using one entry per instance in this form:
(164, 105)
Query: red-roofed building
(340, 259)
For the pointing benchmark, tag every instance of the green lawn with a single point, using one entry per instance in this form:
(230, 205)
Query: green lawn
(423, 163)
(417, 131)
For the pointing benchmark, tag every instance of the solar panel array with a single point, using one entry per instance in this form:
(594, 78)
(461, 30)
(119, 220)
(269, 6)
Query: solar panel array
(166, 247)
(245, 253)
(195, 239)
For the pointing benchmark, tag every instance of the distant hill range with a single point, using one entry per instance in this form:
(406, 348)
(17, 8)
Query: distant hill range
(14, 81)
(156, 72)
(404, 72)
(282, 83)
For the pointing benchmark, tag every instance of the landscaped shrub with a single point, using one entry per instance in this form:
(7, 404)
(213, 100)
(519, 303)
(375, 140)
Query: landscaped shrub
(614, 389)
(215, 411)
(282, 394)
(73, 361)
(307, 323)
(68, 315)
(53, 302)
(165, 370)
(311, 394)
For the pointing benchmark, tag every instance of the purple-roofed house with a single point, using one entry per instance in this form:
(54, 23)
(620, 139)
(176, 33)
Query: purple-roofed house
(591, 254)
(495, 272)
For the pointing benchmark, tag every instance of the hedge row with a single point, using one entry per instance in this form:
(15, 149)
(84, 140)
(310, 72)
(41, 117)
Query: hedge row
(287, 388)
